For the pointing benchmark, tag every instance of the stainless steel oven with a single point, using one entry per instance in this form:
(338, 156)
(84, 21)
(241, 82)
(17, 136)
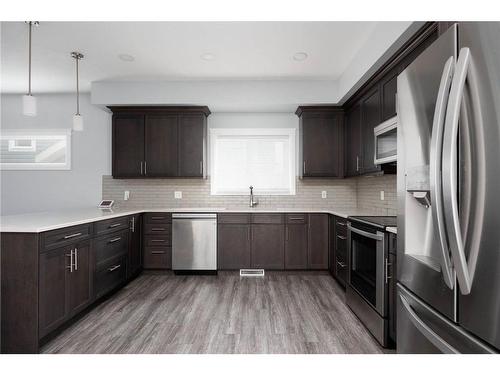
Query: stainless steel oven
(386, 139)
(368, 277)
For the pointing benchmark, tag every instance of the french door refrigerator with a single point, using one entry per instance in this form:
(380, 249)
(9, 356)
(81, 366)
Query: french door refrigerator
(449, 195)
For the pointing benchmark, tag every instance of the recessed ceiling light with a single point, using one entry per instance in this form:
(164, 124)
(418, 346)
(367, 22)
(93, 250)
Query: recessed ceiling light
(208, 56)
(300, 56)
(125, 57)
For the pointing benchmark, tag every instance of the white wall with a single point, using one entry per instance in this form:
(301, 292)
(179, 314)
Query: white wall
(32, 191)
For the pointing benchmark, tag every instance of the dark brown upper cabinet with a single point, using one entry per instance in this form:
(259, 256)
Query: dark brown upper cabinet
(321, 135)
(353, 142)
(388, 89)
(370, 117)
(159, 141)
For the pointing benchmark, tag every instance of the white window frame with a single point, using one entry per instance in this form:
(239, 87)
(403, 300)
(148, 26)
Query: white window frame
(39, 134)
(214, 133)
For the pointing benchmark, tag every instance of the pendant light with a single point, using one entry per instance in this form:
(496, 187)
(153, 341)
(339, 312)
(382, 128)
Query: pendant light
(29, 101)
(77, 118)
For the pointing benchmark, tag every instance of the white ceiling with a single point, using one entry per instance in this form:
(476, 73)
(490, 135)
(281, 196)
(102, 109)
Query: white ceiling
(172, 50)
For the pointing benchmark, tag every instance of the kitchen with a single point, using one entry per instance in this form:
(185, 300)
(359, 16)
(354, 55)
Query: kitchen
(249, 194)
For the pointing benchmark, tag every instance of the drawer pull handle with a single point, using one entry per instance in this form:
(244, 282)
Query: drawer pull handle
(158, 229)
(114, 268)
(341, 264)
(296, 218)
(115, 239)
(157, 217)
(72, 235)
(342, 237)
(157, 240)
(115, 225)
(341, 223)
(158, 252)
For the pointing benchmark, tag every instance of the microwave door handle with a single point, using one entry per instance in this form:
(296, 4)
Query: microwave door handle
(436, 167)
(464, 268)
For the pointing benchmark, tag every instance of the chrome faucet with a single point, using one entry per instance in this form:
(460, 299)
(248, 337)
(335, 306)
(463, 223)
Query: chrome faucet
(253, 202)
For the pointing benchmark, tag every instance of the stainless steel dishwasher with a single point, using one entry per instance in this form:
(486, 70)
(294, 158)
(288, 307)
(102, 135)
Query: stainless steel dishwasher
(194, 243)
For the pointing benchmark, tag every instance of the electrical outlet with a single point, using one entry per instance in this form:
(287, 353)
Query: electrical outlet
(382, 195)
(178, 194)
(323, 194)
(126, 195)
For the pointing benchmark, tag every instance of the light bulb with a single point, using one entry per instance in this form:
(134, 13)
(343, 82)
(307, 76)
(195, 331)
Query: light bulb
(29, 105)
(78, 123)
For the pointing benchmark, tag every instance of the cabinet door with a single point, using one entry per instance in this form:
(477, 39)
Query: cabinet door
(134, 250)
(128, 145)
(317, 257)
(233, 246)
(322, 145)
(370, 117)
(388, 88)
(296, 247)
(191, 145)
(268, 246)
(161, 146)
(80, 280)
(353, 141)
(52, 293)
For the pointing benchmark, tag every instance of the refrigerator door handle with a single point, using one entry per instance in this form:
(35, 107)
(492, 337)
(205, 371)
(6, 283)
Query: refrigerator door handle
(435, 169)
(464, 268)
(425, 330)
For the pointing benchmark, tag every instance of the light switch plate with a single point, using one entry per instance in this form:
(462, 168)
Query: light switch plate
(178, 194)
(323, 194)
(382, 195)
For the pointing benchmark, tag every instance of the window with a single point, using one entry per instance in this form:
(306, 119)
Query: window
(263, 158)
(35, 149)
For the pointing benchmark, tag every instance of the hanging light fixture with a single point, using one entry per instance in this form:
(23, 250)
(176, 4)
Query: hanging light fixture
(29, 101)
(77, 118)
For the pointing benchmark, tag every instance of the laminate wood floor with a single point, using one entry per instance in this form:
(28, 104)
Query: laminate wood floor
(283, 312)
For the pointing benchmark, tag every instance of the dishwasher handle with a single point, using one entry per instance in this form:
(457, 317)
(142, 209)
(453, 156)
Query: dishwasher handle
(188, 216)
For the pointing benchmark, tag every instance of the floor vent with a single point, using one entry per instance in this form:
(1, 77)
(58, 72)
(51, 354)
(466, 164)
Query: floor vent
(251, 273)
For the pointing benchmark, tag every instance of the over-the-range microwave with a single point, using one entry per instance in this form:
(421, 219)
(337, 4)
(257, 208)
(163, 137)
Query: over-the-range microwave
(386, 140)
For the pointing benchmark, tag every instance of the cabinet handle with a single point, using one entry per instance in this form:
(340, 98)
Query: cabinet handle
(114, 239)
(201, 167)
(341, 223)
(114, 268)
(76, 259)
(72, 235)
(342, 237)
(132, 224)
(157, 252)
(157, 240)
(70, 255)
(387, 265)
(115, 225)
(141, 168)
(157, 217)
(158, 229)
(145, 168)
(296, 218)
(357, 163)
(341, 264)
(304, 167)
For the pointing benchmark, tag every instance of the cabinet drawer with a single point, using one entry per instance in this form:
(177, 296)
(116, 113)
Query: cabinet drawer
(155, 241)
(158, 228)
(110, 275)
(64, 236)
(158, 257)
(157, 217)
(341, 245)
(111, 246)
(296, 218)
(267, 218)
(341, 226)
(233, 218)
(341, 269)
(111, 225)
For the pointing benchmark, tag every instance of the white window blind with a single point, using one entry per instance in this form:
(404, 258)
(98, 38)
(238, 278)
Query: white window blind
(263, 158)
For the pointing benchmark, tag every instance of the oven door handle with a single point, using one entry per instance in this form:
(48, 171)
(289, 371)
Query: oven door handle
(379, 236)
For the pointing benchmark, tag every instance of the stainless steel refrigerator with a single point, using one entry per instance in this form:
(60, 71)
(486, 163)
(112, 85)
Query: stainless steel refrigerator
(449, 195)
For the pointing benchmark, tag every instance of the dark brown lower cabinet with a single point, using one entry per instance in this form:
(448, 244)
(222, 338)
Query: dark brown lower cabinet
(65, 285)
(296, 246)
(268, 246)
(233, 246)
(340, 250)
(158, 257)
(317, 254)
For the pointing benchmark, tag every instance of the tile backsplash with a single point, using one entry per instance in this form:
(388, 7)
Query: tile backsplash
(361, 192)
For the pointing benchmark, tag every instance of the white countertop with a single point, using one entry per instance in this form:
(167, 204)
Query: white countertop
(392, 230)
(44, 221)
